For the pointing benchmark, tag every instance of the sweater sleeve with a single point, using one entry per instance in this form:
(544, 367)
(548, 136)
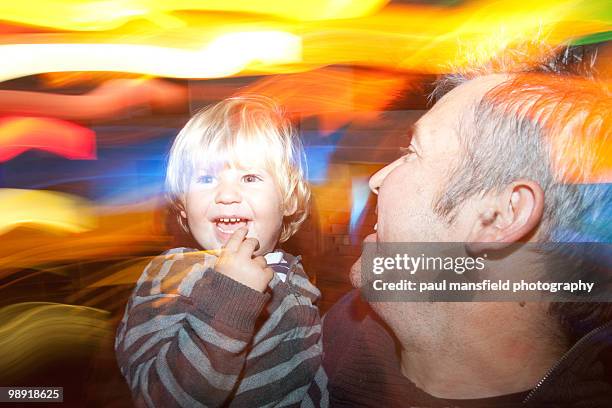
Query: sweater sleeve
(186, 331)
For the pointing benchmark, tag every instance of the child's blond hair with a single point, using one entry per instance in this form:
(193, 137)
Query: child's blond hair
(240, 127)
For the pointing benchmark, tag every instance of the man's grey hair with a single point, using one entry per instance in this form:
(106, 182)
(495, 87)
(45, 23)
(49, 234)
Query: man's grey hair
(508, 135)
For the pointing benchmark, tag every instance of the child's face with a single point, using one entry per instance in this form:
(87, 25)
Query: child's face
(218, 203)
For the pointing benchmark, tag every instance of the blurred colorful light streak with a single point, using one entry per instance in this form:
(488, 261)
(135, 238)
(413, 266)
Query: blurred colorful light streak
(35, 333)
(108, 100)
(434, 39)
(226, 55)
(335, 95)
(114, 233)
(596, 224)
(44, 209)
(109, 14)
(398, 37)
(19, 134)
(360, 190)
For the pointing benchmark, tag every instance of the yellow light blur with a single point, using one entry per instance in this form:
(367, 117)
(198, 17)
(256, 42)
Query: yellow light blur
(227, 55)
(109, 14)
(398, 37)
(35, 333)
(44, 209)
(429, 39)
(119, 233)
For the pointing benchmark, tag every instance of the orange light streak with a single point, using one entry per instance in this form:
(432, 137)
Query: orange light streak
(112, 98)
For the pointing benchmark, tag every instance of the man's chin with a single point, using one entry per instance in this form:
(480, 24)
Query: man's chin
(355, 274)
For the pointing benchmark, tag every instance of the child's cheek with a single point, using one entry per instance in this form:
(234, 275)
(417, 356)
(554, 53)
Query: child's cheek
(251, 233)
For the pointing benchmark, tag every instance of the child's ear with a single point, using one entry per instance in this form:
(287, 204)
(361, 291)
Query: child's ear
(291, 208)
(182, 216)
(180, 206)
(509, 216)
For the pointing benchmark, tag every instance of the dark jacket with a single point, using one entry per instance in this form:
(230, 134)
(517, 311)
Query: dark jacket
(362, 362)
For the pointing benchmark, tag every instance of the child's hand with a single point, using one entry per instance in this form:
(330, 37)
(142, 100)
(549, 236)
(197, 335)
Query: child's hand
(236, 261)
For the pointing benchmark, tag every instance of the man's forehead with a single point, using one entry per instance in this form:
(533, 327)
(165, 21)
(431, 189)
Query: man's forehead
(453, 106)
(473, 89)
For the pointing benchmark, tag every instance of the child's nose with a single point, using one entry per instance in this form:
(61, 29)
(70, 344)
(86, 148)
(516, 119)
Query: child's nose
(227, 193)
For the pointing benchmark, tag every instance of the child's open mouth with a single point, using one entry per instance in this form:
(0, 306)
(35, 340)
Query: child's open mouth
(227, 225)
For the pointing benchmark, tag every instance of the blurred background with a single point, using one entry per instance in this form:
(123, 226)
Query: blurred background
(92, 94)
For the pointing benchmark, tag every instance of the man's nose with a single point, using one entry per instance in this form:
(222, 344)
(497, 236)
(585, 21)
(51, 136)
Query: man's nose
(377, 179)
(227, 193)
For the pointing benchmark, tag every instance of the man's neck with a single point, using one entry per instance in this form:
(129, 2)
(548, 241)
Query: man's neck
(486, 361)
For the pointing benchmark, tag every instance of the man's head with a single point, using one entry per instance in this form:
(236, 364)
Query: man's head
(238, 163)
(410, 188)
(497, 160)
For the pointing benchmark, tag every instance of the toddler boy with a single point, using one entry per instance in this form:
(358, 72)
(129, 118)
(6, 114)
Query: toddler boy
(232, 323)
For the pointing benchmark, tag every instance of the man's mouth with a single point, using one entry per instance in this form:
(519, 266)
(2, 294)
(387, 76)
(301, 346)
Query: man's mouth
(371, 238)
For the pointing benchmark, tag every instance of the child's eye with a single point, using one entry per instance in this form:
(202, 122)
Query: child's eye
(206, 179)
(251, 178)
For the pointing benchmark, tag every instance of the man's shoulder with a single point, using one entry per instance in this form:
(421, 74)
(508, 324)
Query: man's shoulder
(342, 325)
(359, 350)
(350, 310)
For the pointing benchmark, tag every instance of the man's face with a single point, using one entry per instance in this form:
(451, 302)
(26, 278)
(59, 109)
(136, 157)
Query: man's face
(408, 189)
(220, 202)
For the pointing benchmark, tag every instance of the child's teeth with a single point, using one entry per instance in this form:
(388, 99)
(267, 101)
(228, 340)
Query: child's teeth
(231, 220)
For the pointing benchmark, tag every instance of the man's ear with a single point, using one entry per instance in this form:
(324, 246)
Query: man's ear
(509, 216)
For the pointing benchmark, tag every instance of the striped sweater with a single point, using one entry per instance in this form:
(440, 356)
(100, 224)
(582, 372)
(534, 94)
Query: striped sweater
(192, 337)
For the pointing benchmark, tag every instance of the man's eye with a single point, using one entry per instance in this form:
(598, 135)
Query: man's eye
(251, 178)
(407, 151)
(206, 179)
